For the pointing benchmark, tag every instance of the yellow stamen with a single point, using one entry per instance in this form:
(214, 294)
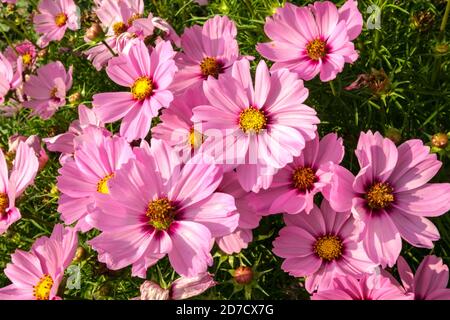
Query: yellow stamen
(161, 213)
(133, 18)
(316, 49)
(26, 58)
(4, 204)
(53, 93)
(252, 120)
(303, 178)
(142, 88)
(119, 28)
(195, 139)
(210, 67)
(328, 247)
(102, 185)
(42, 289)
(380, 195)
(61, 19)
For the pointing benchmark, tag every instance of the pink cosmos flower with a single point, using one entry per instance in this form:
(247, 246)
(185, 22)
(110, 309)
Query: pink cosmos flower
(24, 50)
(148, 77)
(34, 142)
(65, 142)
(261, 128)
(321, 245)
(177, 129)
(47, 91)
(314, 39)
(9, 78)
(391, 195)
(293, 187)
(369, 287)
(53, 19)
(207, 51)
(429, 282)
(86, 177)
(25, 167)
(36, 275)
(159, 206)
(182, 288)
(248, 219)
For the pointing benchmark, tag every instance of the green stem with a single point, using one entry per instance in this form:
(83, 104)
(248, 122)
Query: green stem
(10, 43)
(445, 19)
(109, 48)
(333, 89)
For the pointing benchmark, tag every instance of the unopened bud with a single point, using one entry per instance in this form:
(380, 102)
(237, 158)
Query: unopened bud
(394, 135)
(94, 32)
(439, 140)
(243, 275)
(41, 53)
(80, 254)
(75, 97)
(441, 48)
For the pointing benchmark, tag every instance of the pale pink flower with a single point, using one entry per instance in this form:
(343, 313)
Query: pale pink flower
(25, 167)
(54, 18)
(320, 246)
(34, 142)
(294, 186)
(369, 287)
(158, 206)
(36, 275)
(47, 90)
(430, 281)
(86, 177)
(314, 39)
(10, 78)
(391, 195)
(248, 219)
(181, 288)
(210, 50)
(65, 142)
(24, 50)
(147, 75)
(262, 127)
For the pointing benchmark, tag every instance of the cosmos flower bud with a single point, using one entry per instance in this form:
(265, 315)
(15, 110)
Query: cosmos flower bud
(41, 53)
(75, 97)
(441, 48)
(243, 275)
(423, 20)
(152, 291)
(394, 134)
(94, 32)
(439, 140)
(80, 254)
(187, 287)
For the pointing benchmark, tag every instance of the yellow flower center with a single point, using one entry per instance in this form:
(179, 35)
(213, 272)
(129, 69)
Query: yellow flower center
(102, 185)
(142, 88)
(210, 67)
(303, 178)
(161, 213)
(61, 19)
(53, 93)
(41, 290)
(252, 120)
(4, 204)
(316, 49)
(328, 247)
(119, 28)
(26, 58)
(380, 195)
(195, 139)
(133, 18)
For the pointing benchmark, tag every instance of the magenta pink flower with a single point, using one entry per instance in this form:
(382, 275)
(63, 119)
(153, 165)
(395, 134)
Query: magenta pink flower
(25, 167)
(177, 129)
(47, 91)
(207, 51)
(34, 142)
(391, 195)
(294, 186)
(320, 246)
(159, 206)
(258, 129)
(54, 18)
(36, 275)
(429, 282)
(182, 288)
(9, 78)
(25, 50)
(87, 176)
(248, 219)
(369, 287)
(314, 39)
(148, 77)
(65, 142)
